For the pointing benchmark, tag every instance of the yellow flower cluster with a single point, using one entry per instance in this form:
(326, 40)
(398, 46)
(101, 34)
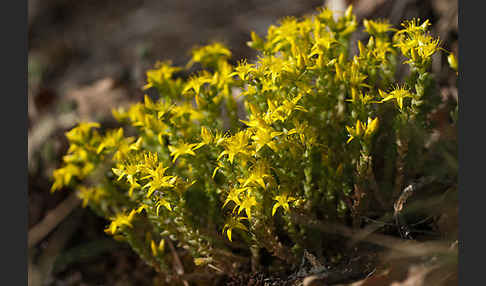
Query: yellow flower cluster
(195, 166)
(416, 44)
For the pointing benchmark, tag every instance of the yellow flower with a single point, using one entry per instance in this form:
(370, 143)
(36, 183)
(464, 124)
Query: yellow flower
(412, 27)
(128, 170)
(111, 140)
(161, 107)
(91, 194)
(290, 105)
(256, 42)
(158, 180)
(301, 128)
(63, 176)
(219, 138)
(158, 76)
(362, 98)
(196, 82)
(232, 223)
(76, 154)
(415, 43)
(162, 202)
(282, 201)
(234, 196)
(371, 126)
(244, 70)
(142, 207)
(281, 113)
(258, 172)
(246, 205)
(354, 75)
(157, 249)
(377, 27)
(120, 220)
(210, 54)
(264, 137)
(153, 247)
(179, 111)
(161, 246)
(323, 44)
(236, 144)
(399, 93)
(206, 136)
(182, 149)
(151, 160)
(124, 147)
(220, 165)
(452, 60)
(81, 132)
(119, 114)
(223, 78)
(256, 119)
(362, 129)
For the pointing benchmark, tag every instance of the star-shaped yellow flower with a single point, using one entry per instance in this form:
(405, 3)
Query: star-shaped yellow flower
(182, 149)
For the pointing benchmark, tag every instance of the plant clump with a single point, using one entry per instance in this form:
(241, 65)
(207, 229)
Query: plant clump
(227, 163)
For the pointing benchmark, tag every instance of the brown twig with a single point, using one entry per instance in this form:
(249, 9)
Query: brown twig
(177, 262)
(44, 264)
(52, 219)
(408, 191)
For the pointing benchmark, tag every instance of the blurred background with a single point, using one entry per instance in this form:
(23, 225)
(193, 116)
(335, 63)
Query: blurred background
(86, 57)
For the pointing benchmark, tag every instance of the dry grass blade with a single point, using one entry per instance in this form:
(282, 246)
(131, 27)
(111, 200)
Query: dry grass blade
(177, 262)
(408, 247)
(52, 219)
